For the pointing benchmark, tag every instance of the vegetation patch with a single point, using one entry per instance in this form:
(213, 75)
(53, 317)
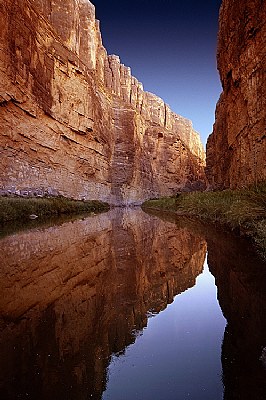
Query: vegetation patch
(243, 211)
(16, 208)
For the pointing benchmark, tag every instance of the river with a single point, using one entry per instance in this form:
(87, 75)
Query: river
(127, 305)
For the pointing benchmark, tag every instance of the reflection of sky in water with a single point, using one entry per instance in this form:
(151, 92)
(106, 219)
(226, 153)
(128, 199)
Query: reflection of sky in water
(179, 354)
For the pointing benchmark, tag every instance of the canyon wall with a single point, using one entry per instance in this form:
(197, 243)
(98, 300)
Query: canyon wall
(75, 122)
(236, 150)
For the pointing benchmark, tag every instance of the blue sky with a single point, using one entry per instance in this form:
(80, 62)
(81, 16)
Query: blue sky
(170, 46)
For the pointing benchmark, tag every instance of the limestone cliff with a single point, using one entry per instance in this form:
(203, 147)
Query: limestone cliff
(236, 151)
(74, 122)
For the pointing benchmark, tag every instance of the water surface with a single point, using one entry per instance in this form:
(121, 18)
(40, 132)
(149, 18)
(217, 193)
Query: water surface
(178, 356)
(122, 302)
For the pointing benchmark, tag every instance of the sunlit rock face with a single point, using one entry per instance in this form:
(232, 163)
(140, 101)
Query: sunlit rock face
(236, 149)
(75, 122)
(73, 294)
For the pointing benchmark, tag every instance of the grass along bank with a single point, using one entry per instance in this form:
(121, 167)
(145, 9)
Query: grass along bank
(243, 211)
(16, 208)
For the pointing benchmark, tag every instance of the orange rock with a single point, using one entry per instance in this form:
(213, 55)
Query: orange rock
(236, 151)
(75, 122)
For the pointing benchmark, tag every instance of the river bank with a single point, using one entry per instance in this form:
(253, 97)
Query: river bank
(242, 211)
(17, 208)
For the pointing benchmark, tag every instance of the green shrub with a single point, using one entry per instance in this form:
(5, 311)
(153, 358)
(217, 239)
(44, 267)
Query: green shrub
(241, 210)
(15, 208)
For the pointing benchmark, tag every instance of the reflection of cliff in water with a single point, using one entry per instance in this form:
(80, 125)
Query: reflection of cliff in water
(241, 280)
(73, 294)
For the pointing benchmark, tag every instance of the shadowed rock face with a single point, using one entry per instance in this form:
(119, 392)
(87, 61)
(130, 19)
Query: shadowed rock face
(75, 122)
(237, 147)
(73, 294)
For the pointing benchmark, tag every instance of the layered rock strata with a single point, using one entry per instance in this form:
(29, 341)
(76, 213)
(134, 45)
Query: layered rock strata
(236, 150)
(75, 293)
(74, 121)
